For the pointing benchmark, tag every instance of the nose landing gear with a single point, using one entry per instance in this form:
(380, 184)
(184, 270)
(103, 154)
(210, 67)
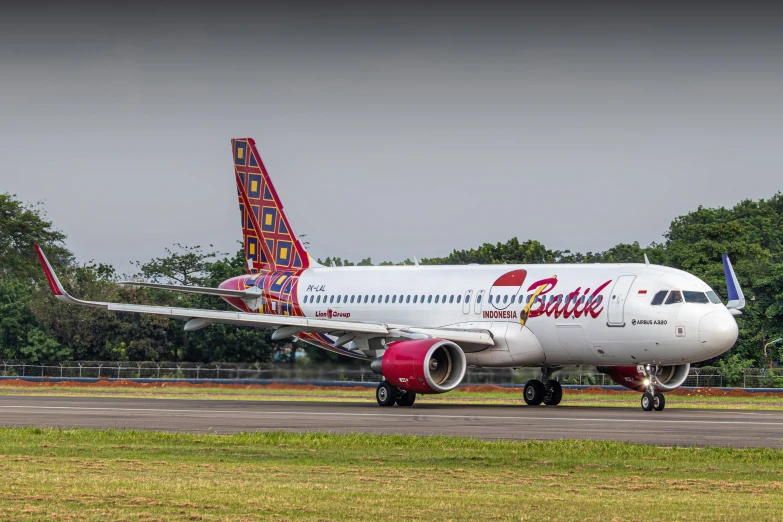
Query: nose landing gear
(651, 399)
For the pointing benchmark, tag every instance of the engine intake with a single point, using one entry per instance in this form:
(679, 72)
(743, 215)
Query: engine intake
(666, 378)
(422, 365)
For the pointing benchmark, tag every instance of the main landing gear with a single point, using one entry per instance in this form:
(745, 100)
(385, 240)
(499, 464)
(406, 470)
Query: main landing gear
(388, 395)
(547, 390)
(651, 399)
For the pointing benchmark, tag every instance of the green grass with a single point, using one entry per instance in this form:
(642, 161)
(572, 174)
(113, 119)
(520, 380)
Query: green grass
(627, 399)
(131, 475)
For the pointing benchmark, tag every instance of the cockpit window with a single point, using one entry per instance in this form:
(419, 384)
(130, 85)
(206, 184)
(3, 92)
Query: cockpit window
(695, 297)
(674, 297)
(659, 297)
(713, 297)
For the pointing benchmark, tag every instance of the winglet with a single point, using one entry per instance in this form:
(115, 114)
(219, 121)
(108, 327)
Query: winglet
(736, 297)
(54, 284)
(51, 277)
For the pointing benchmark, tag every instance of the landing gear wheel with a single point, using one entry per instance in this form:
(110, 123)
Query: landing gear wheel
(553, 394)
(406, 398)
(386, 394)
(659, 401)
(648, 401)
(534, 392)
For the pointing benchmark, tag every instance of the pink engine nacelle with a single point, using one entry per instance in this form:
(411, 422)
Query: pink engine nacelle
(667, 378)
(422, 365)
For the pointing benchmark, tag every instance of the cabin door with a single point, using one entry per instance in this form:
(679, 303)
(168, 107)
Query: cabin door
(616, 307)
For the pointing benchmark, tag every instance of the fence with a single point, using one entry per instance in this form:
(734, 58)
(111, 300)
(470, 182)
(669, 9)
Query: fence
(709, 376)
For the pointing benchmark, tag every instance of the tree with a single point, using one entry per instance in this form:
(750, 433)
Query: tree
(21, 226)
(187, 266)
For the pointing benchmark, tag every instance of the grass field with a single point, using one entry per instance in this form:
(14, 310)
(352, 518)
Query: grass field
(83, 474)
(483, 395)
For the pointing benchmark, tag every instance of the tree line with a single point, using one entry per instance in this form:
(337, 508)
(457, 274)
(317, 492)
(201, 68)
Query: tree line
(34, 326)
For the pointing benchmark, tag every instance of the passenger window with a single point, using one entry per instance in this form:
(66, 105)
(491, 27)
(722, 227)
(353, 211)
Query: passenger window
(459, 299)
(436, 299)
(451, 299)
(338, 299)
(467, 298)
(478, 299)
(365, 299)
(695, 297)
(415, 299)
(505, 299)
(713, 297)
(659, 297)
(352, 298)
(429, 299)
(599, 299)
(372, 300)
(422, 299)
(674, 297)
(331, 299)
(385, 300)
(394, 299)
(407, 299)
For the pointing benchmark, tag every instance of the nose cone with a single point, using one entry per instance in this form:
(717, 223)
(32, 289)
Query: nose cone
(718, 332)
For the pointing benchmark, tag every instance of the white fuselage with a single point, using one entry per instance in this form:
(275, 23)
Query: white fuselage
(599, 314)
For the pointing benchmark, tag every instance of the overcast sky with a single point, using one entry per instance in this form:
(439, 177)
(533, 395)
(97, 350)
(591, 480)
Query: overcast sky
(389, 131)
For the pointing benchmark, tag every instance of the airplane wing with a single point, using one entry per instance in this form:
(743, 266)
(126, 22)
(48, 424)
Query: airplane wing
(289, 325)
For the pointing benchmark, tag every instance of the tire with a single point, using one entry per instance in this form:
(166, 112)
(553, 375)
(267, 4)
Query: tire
(659, 401)
(555, 394)
(648, 401)
(406, 398)
(386, 394)
(534, 392)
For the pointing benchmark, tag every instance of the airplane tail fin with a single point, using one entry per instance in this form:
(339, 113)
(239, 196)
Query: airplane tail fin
(270, 242)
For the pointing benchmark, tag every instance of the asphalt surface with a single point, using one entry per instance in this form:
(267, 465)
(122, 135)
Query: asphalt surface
(683, 427)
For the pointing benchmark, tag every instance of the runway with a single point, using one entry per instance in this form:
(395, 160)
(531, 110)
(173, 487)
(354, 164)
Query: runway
(683, 427)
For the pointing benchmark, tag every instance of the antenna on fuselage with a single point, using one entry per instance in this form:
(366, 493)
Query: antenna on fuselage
(646, 261)
(415, 261)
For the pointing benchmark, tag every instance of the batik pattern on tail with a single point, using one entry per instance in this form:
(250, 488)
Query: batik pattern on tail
(270, 242)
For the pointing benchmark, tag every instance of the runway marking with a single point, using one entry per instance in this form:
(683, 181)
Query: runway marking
(411, 415)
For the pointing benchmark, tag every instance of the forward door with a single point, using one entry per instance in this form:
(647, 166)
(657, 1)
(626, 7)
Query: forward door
(615, 310)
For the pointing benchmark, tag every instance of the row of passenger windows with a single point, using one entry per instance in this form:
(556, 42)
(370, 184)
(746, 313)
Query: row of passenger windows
(450, 299)
(676, 296)
(386, 299)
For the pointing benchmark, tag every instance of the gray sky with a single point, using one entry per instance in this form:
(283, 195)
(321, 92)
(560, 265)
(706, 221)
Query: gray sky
(389, 131)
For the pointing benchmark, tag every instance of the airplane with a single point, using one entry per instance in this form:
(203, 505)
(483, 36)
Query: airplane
(421, 327)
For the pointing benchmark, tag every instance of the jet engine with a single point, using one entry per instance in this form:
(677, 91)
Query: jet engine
(665, 378)
(422, 365)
